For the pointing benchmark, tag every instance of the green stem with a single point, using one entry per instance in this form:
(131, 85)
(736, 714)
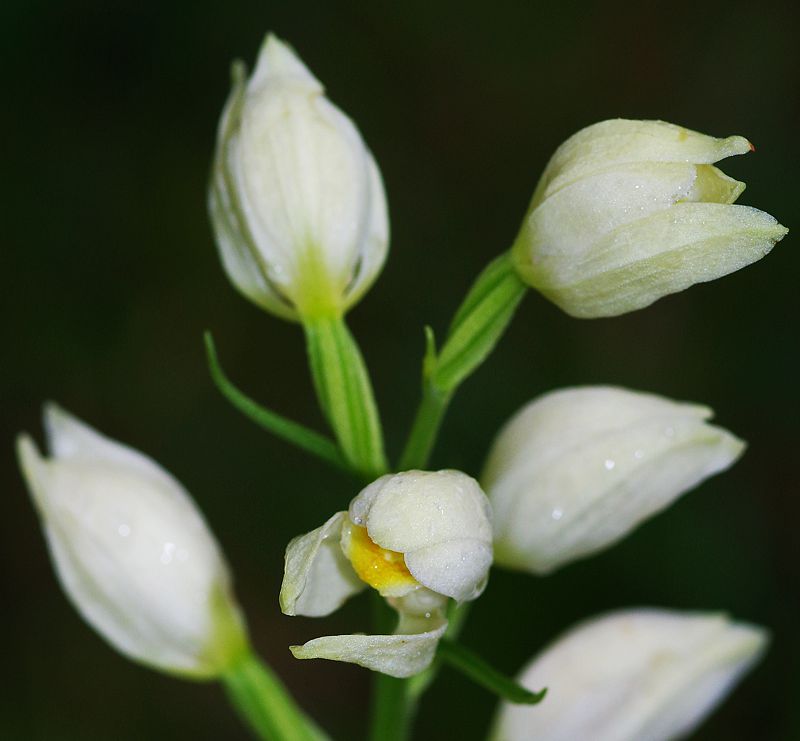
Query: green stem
(345, 393)
(392, 705)
(426, 427)
(392, 709)
(477, 327)
(482, 673)
(264, 703)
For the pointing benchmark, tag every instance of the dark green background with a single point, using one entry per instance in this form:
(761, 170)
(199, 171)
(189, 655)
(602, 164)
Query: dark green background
(110, 276)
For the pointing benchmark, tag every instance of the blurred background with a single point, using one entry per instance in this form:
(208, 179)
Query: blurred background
(111, 276)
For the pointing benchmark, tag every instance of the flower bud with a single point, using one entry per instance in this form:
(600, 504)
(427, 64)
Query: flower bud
(576, 470)
(296, 198)
(632, 675)
(132, 551)
(418, 538)
(629, 211)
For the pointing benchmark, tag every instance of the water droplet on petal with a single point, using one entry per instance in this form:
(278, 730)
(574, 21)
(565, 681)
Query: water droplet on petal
(609, 464)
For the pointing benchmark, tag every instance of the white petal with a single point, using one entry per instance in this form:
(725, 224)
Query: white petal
(317, 577)
(578, 469)
(456, 568)
(401, 655)
(567, 224)
(277, 62)
(296, 198)
(636, 675)
(620, 141)
(667, 252)
(132, 551)
(417, 509)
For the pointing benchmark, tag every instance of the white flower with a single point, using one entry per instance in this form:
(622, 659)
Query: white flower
(635, 675)
(296, 198)
(132, 551)
(418, 538)
(576, 470)
(629, 211)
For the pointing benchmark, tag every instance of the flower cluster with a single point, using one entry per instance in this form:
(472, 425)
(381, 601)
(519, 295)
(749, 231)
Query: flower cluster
(626, 212)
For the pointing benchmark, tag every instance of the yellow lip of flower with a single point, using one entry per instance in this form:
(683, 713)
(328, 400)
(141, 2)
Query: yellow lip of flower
(381, 568)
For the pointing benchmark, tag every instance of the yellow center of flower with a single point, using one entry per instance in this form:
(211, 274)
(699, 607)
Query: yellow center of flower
(381, 568)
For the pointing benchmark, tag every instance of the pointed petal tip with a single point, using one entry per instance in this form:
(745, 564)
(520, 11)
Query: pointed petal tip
(33, 466)
(733, 145)
(276, 59)
(59, 426)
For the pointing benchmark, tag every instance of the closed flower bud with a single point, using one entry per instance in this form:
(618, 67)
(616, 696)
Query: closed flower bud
(635, 675)
(418, 538)
(576, 470)
(629, 211)
(296, 198)
(132, 551)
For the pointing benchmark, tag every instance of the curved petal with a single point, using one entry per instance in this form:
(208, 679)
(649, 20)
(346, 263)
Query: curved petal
(416, 509)
(318, 578)
(633, 675)
(456, 568)
(400, 655)
(664, 253)
(621, 141)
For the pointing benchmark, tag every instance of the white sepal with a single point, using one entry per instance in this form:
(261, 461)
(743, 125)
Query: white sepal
(577, 469)
(633, 675)
(318, 578)
(132, 551)
(403, 654)
(296, 198)
(629, 211)
(441, 522)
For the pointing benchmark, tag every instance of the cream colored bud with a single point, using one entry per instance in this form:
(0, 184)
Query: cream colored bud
(132, 551)
(576, 470)
(634, 675)
(629, 211)
(296, 198)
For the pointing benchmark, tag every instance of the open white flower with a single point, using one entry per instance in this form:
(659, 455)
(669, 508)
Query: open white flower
(633, 675)
(417, 537)
(296, 198)
(576, 470)
(629, 211)
(132, 551)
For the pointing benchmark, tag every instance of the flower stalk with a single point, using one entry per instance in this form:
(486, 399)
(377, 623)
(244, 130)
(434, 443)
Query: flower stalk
(264, 703)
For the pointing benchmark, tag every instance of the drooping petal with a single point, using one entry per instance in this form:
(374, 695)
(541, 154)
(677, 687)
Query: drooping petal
(399, 655)
(318, 578)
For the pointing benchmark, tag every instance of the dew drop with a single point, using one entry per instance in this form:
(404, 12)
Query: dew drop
(124, 530)
(557, 514)
(639, 454)
(609, 464)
